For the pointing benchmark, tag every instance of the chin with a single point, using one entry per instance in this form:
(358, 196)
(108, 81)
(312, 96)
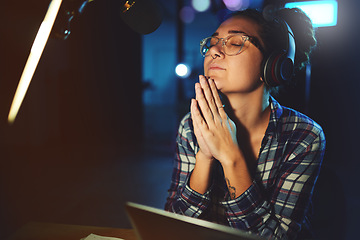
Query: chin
(217, 82)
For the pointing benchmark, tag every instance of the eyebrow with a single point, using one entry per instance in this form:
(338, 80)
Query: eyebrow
(253, 39)
(230, 31)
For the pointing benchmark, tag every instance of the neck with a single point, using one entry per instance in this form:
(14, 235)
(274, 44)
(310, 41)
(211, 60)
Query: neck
(250, 110)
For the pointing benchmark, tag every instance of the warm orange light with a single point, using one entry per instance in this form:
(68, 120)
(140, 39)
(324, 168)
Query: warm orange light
(34, 57)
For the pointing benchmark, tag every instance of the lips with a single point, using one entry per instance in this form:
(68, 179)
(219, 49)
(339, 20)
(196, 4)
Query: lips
(215, 66)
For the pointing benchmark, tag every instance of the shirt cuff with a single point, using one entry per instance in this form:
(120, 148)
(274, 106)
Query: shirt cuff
(246, 203)
(195, 200)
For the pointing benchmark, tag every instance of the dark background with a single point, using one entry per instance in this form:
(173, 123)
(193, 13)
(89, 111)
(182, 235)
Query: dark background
(81, 145)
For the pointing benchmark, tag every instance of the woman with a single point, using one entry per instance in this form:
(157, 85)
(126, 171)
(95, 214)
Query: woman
(251, 164)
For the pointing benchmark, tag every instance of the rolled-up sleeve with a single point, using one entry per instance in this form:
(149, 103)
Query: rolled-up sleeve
(279, 211)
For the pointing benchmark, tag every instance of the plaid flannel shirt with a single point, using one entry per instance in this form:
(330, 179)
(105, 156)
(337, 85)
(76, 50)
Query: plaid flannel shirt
(276, 204)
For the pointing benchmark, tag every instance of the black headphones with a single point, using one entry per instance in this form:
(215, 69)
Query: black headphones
(278, 67)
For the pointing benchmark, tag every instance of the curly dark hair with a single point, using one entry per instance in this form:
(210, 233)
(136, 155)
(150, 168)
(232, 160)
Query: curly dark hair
(272, 33)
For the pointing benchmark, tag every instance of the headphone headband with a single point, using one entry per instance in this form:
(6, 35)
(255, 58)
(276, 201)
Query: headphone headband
(291, 48)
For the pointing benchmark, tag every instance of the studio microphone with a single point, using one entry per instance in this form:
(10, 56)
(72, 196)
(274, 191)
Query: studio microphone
(142, 16)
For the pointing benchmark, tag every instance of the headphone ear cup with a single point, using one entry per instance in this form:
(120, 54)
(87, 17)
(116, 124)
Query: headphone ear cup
(269, 69)
(277, 69)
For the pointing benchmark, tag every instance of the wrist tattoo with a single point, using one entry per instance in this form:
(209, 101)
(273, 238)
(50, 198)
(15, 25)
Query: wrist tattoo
(232, 189)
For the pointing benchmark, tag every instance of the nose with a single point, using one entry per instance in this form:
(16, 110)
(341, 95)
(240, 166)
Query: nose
(218, 49)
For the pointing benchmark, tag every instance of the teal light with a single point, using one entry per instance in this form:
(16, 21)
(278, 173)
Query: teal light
(321, 13)
(201, 5)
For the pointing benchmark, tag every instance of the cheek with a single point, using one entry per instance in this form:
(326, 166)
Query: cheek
(246, 69)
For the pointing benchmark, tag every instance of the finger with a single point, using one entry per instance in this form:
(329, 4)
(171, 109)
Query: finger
(203, 105)
(198, 133)
(193, 117)
(198, 121)
(220, 106)
(209, 97)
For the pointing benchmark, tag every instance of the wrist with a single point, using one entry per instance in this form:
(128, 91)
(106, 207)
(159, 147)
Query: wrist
(232, 159)
(200, 156)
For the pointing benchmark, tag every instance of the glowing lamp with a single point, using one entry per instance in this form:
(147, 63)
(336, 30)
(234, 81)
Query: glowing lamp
(321, 13)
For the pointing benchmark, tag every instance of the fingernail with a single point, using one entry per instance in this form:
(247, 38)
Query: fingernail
(192, 102)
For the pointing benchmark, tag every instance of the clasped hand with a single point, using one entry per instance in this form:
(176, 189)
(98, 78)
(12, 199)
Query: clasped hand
(214, 130)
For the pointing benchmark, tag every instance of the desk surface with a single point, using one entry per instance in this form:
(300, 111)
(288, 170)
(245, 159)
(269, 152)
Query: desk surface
(53, 231)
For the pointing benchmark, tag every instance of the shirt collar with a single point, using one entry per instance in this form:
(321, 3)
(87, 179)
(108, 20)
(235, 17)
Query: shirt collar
(274, 123)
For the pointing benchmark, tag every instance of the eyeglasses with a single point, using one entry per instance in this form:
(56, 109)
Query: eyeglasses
(232, 44)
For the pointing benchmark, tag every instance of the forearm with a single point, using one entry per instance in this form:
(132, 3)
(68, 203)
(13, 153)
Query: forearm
(185, 200)
(201, 176)
(236, 172)
(181, 198)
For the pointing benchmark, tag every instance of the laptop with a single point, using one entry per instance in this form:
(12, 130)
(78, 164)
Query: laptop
(155, 224)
